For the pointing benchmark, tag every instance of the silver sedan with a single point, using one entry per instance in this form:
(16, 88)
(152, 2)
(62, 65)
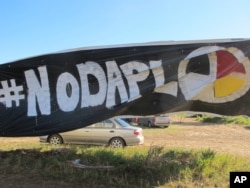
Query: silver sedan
(114, 132)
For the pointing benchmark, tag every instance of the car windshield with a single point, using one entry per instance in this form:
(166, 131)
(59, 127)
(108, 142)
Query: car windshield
(122, 122)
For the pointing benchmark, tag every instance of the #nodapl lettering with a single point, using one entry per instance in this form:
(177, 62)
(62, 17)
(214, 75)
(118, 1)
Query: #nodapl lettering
(71, 92)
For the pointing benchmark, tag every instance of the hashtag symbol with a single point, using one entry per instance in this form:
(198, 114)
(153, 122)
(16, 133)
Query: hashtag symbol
(10, 93)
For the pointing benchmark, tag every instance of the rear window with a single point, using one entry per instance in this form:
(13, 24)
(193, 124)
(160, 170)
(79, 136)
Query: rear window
(122, 122)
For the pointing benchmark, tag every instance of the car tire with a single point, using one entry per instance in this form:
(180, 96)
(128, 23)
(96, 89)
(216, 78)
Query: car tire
(116, 143)
(55, 139)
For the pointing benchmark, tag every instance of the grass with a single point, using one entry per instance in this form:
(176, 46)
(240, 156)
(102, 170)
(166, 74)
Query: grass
(133, 166)
(240, 120)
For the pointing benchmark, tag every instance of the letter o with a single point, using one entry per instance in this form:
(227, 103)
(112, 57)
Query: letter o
(67, 92)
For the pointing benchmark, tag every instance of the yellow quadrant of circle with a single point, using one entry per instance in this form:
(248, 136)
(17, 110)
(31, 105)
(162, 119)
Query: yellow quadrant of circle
(227, 85)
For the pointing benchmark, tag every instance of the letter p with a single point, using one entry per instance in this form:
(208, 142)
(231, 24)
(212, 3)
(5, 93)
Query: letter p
(243, 178)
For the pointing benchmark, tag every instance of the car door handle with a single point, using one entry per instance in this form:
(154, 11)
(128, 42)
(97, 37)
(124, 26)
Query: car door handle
(111, 131)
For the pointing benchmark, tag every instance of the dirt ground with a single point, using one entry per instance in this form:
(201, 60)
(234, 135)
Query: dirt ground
(231, 139)
(188, 134)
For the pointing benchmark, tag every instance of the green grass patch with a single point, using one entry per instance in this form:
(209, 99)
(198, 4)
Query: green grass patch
(240, 120)
(132, 167)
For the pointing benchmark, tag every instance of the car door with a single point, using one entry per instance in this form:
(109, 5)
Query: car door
(102, 132)
(79, 136)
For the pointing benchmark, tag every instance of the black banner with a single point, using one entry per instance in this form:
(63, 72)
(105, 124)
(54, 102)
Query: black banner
(68, 90)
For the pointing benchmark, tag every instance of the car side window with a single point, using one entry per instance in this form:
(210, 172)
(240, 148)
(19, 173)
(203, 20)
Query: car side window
(105, 124)
(99, 125)
(108, 123)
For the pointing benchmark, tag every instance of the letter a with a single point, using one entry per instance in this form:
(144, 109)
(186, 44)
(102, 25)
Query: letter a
(237, 179)
(115, 81)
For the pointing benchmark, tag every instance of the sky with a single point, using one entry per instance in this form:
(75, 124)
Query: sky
(29, 28)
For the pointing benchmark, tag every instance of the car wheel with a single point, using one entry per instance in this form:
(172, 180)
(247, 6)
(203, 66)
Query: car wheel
(117, 143)
(55, 139)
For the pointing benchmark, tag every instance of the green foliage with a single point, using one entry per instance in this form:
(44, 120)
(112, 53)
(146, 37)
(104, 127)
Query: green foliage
(241, 120)
(133, 166)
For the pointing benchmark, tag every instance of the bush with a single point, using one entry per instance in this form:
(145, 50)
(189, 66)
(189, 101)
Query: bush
(240, 120)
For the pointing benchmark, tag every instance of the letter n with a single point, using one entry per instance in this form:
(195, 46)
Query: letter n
(37, 91)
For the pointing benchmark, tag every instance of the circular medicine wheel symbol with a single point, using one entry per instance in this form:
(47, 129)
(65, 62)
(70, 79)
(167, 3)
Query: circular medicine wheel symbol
(214, 74)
